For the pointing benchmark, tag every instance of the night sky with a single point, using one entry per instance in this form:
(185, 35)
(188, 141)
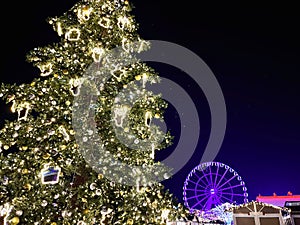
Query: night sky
(253, 50)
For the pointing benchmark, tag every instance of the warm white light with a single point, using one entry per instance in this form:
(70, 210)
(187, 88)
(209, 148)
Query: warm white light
(120, 114)
(73, 34)
(104, 22)
(46, 69)
(97, 54)
(59, 29)
(5, 211)
(123, 22)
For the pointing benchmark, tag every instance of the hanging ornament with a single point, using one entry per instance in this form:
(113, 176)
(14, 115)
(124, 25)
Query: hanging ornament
(63, 131)
(142, 45)
(46, 69)
(50, 174)
(4, 212)
(153, 151)
(97, 54)
(84, 13)
(104, 212)
(22, 109)
(73, 34)
(148, 118)
(118, 73)
(105, 22)
(165, 214)
(144, 79)
(126, 45)
(123, 22)
(75, 85)
(59, 29)
(120, 114)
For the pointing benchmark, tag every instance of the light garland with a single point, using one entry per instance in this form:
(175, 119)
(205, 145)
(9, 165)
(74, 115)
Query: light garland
(46, 165)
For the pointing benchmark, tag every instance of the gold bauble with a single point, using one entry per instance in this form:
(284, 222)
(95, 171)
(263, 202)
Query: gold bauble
(86, 211)
(46, 156)
(24, 148)
(130, 221)
(24, 171)
(100, 176)
(27, 186)
(15, 220)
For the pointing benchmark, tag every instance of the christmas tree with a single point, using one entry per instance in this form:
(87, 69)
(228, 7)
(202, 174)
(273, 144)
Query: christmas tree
(62, 164)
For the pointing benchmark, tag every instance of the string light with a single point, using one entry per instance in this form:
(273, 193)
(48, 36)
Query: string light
(41, 134)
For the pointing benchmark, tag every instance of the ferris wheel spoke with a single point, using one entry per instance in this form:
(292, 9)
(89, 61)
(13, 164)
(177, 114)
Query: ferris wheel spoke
(196, 184)
(222, 178)
(193, 182)
(210, 176)
(201, 186)
(228, 193)
(227, 181)
(199, 203)
(225, 198)
(188, 189)
(205, 176)
(197, 196)
(218, 200)
(203, 182)
(208, 200)
(216, 178)
(230, 187)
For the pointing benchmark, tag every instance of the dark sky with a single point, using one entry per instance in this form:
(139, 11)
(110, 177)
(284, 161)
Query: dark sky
(253, 50)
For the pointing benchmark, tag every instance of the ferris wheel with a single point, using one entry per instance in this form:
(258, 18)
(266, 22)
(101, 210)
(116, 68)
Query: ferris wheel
(211, 184)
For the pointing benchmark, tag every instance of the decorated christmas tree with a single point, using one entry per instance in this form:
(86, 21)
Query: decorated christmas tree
(81, 149)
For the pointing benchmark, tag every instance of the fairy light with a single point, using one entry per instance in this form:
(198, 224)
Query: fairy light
(59, 29)
(152, 151)
(165, 214)
(5, 211)
(47, 114)
(145, 79)
(63, 131)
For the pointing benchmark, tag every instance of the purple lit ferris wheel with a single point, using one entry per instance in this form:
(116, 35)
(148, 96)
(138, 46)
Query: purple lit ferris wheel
(211, 184)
